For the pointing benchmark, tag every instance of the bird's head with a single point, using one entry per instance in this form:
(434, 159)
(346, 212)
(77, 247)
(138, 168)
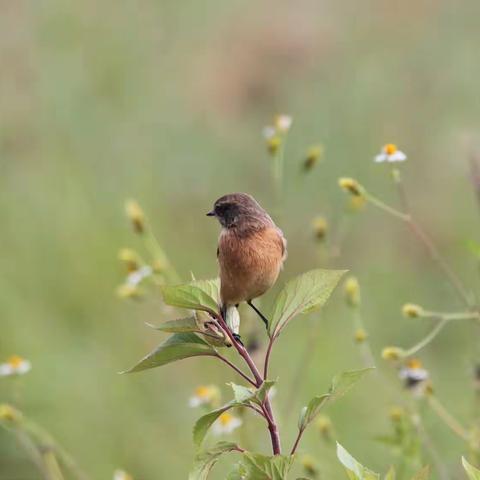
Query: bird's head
(239, 210)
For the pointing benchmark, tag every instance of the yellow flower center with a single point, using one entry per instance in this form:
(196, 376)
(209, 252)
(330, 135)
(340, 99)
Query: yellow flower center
(203, 392)
(225, 418)
(15, 361)
(414, 364)
(390, 148)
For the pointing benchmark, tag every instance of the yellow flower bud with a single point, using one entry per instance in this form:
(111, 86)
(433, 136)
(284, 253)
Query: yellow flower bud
(392, 353)
(351, 186)
(396, 413)
(352, 291)
(411, 310)
(135, 215)
(309, 464)
(320, 227)
(129, 258)
(9, 413)
(273, 144)
(313, 156)
(357, 203)
(360, 335)
(128, 291)
(324, 425)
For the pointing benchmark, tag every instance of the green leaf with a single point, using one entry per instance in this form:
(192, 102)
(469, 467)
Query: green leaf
(204, 423)
(246, 394)
(176, 347)
(303, 294)
(205, 460)
(355, 470)
(189, 296)
(390, 474)
(341, 384)
(472, 472)
(309, 412)
(210, 287)
(262, 467)
(424, 473)
(188, 324)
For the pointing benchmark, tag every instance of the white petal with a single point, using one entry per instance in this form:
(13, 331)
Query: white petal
(24, 367)
(269, 132)
(6, 370)
(382, 157)
(398, 156)
(194, 402)
(232, 425)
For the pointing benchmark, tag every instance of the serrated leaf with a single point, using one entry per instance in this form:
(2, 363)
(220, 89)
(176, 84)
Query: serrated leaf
(340, 385)
(187, 324)
(262, 467)
(190, 296)
(246, 394)
(176, 347)
(355, 470)
(423, 474)
(205, 460)
(211, 287)
(303, 294)
(390, 474)
(473, 473)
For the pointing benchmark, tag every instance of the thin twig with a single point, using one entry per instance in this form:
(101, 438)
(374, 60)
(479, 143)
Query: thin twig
(448, 418)
(234, 367)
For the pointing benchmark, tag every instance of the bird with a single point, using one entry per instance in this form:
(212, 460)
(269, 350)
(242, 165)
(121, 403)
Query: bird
(251, 251)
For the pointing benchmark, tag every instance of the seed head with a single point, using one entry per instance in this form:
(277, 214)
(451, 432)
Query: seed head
(135, 215)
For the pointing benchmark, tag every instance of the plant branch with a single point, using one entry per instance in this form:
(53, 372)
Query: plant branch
(448, 418)
(297, 441)
(234, 367)
(272, 426)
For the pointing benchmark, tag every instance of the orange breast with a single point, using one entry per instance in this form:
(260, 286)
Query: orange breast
(249, 265)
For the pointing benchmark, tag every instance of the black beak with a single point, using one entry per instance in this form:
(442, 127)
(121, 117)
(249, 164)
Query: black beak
(211, 214)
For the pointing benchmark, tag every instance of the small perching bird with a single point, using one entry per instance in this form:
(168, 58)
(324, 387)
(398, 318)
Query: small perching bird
(251, 250)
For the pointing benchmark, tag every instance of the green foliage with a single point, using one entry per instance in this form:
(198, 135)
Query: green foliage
(390, 474)
(193, 296)
(176, 347)
(473, 473)
(304, 293)
(243, 397)
(355, 470)
(341, 384)
(181, 325)
(247, 395)
(261, 467)
(205, 460)
(423, 474)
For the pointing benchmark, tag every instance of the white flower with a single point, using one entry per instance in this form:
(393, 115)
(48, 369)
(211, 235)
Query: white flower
(226, 423)
(283, 123)
(390, 153)
(15, 365)
(134, 278)
(269, 132)
(414, 376)
(204, 395)
(121, 475)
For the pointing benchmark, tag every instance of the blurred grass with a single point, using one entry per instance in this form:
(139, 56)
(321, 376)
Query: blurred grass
(165, 102)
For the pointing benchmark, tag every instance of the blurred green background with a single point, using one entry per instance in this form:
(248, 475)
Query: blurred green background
(165, 101)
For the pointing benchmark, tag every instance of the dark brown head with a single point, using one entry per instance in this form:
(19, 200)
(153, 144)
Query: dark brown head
(240, 210)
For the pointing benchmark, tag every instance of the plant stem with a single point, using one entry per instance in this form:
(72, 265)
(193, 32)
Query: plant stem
(407, 217)
(272, 426)
(448, 418)
(424, 342)
(234, 367)
(297, 441)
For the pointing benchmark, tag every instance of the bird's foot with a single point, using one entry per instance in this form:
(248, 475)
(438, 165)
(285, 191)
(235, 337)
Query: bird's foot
(238, 338)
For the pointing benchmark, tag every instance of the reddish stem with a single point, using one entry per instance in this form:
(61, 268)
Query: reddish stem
(234, 367)
(272, 426)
